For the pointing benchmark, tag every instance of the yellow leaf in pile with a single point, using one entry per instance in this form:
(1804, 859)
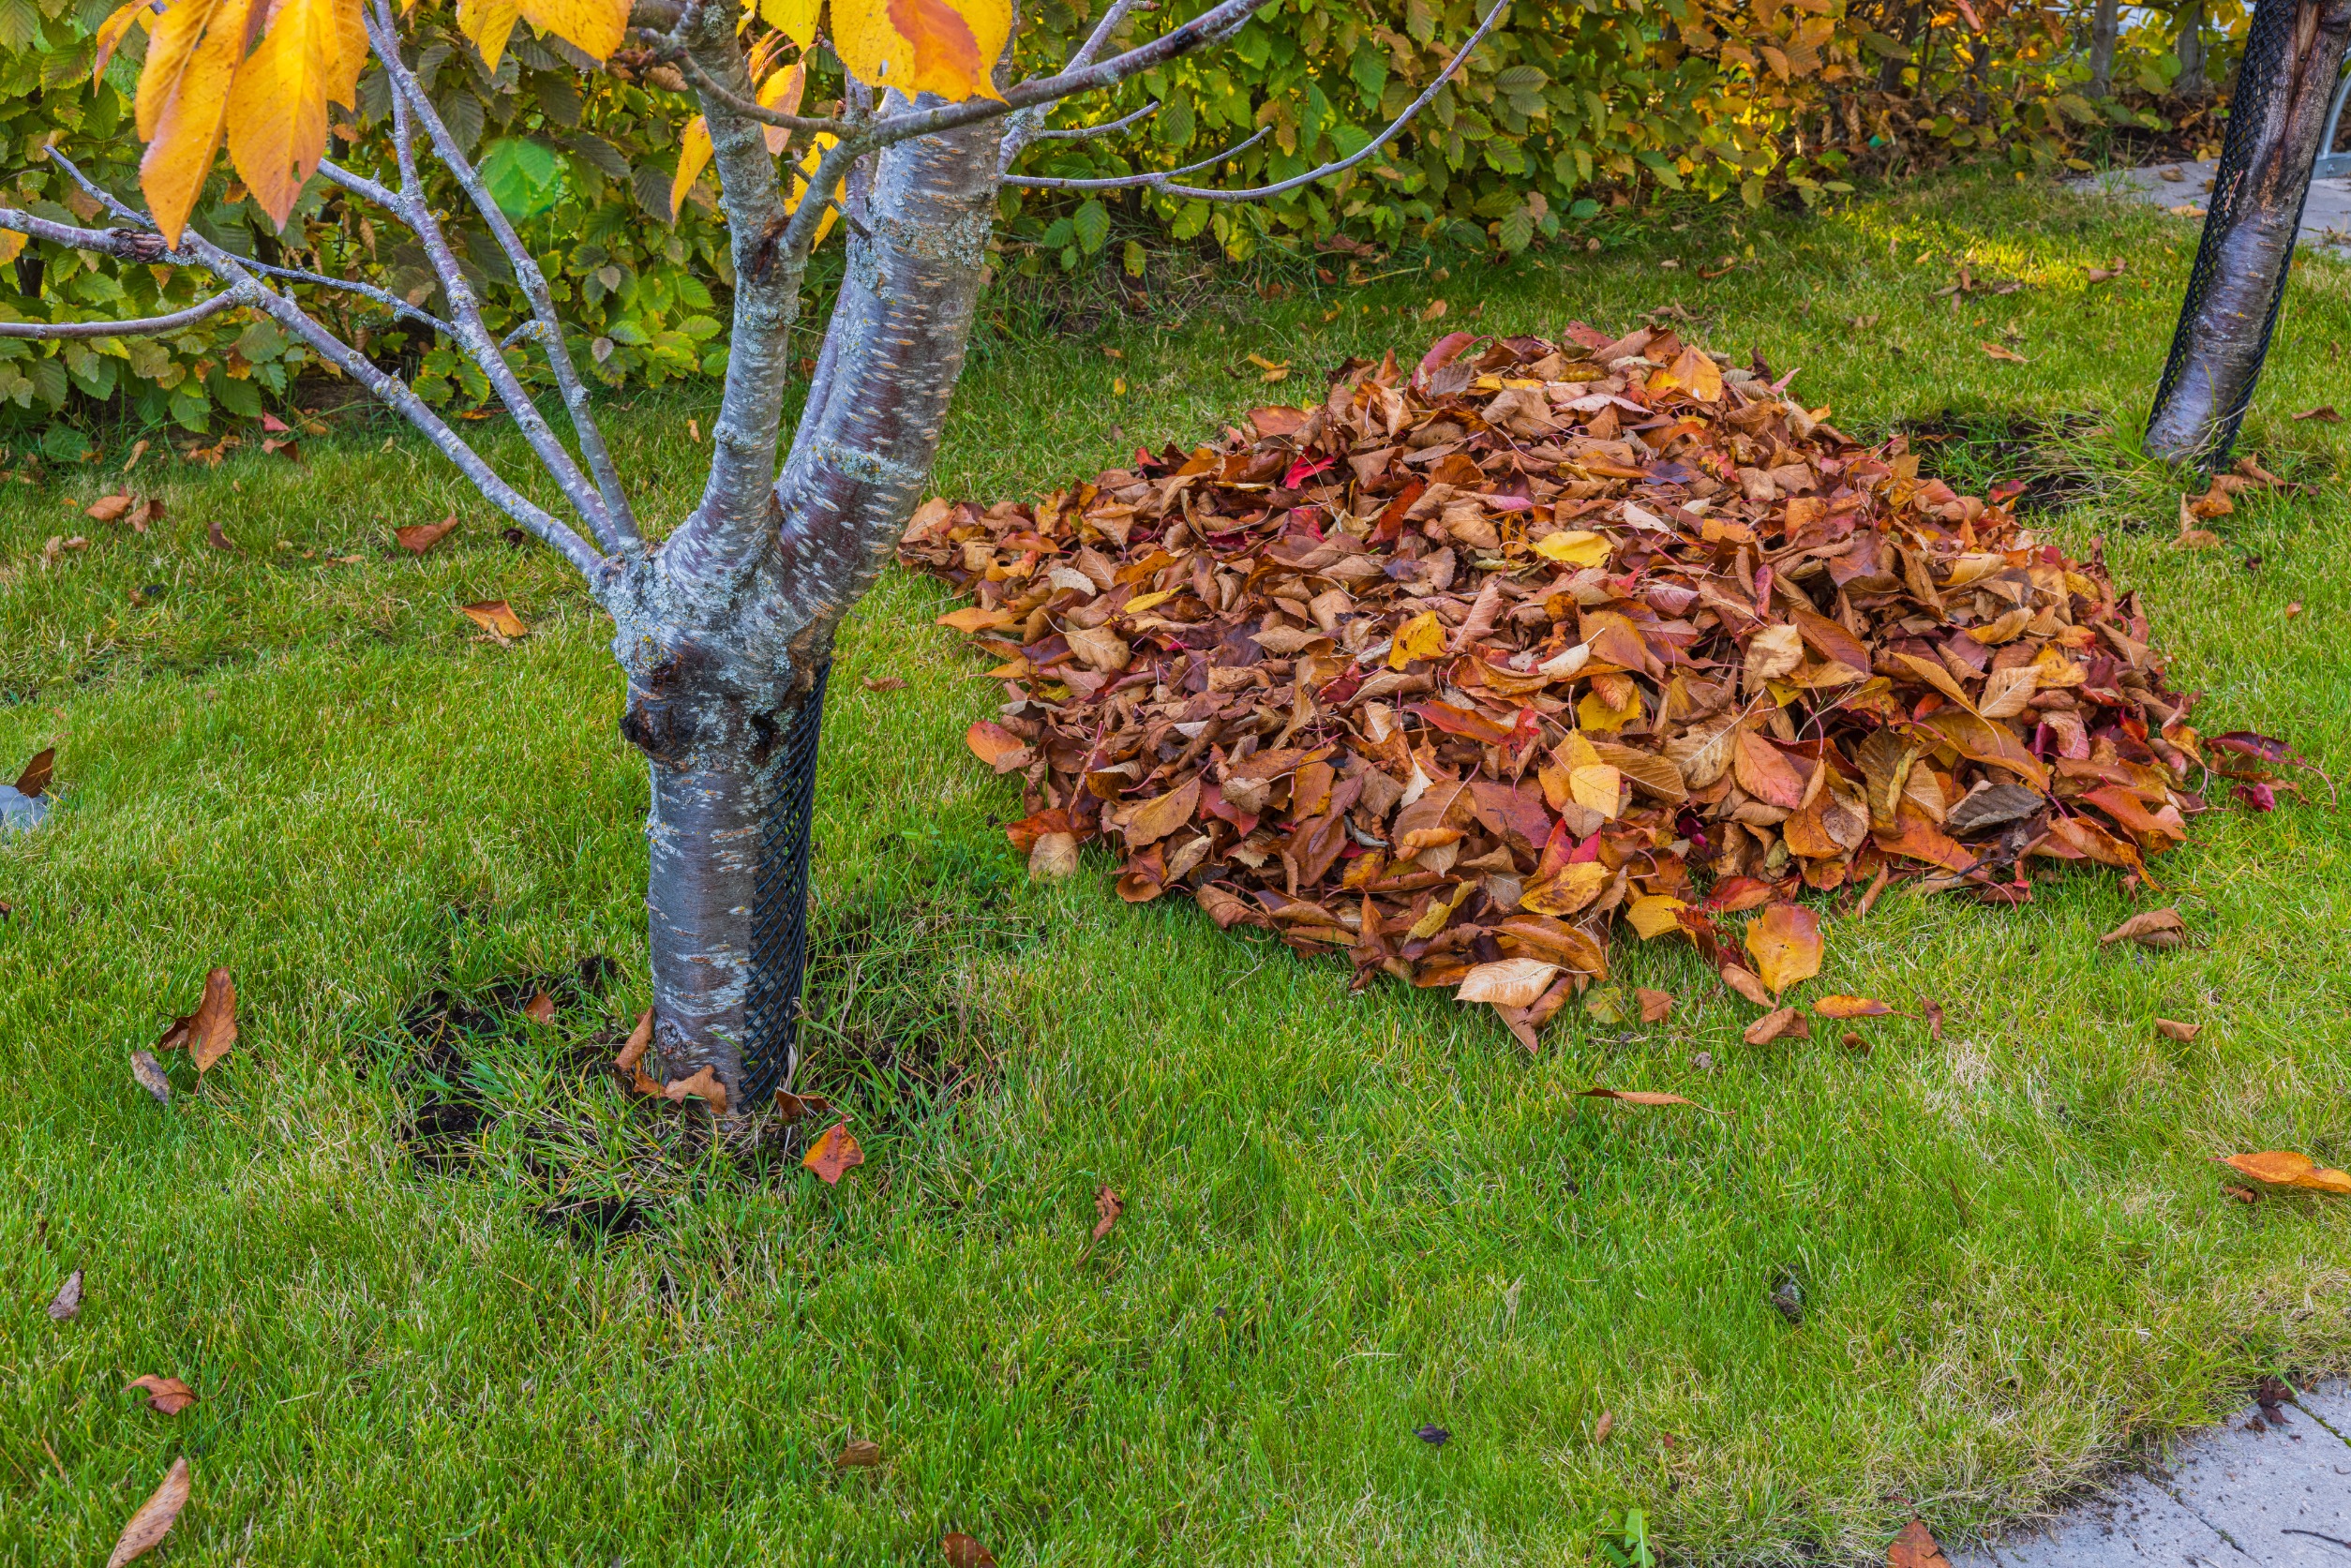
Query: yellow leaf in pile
(1575, 547)
(2283, 1168)
(1142, 602)
(1440, 910)
(183, 100)
(1593, 713)
(1509, 982)
(1696, 373)
(1656, 914)
(488, 23)
(1771, 653)
(1421, 637)
(1596, 787)
(1784, 941)
(922, 46)
(694, 155)
(795, 19)
(277, 121)
(1566, 890)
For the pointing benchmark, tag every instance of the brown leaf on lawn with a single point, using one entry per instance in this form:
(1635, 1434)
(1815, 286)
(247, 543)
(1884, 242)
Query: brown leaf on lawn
(997, 746)
(2007, 355)
(2107, 275)
(148, 511)
(831, 1154)
(106, 509)
(540, 1008)
(144, 1067)
(2156, 928)
(1774, 1026)
(858, 1454)
(66, 1303)
(153, 1522)
(964, 1552)
(419, 537)
(1656, 1005)
(1602, 1428)
(2172, 1029)
(2325, 413)
(38, 773)
(209, 1031)
(1108, 1207)
(165, 1396)
(885, 684)
(1508, 982)
(1934, 1011)
(2283, 1168)
(1915, 1548)
(702, 1083)
(1635, 1097)
(1785, 943)
(1850, 1007)
(496, 616)
(630, 1062)
(2242, 1194)
(1747, 985)
(791, 1108)
(219, 540)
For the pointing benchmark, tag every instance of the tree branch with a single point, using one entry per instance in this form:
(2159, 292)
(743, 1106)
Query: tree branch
(1024, 125)
(123, 243)
(145, 326)
(708, 89)
(1128, 182)
(1087, 133)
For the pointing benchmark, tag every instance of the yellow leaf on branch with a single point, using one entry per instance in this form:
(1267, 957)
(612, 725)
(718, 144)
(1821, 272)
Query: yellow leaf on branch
(782, 92)
(795, 19)
(488, 23)
(183, 100)
(277, 121)
(694, 155)
(593, 26)
(948, 47)
(110, 33)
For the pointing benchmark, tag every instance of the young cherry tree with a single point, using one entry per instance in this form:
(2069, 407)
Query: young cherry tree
(726, 619)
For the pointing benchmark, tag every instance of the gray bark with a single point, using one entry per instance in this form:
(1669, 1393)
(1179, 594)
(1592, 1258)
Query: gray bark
(2105, 27)
(2282, 100)
(2191, 83)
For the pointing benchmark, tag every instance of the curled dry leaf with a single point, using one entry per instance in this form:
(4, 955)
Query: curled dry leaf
(1785, 943)
(2172, 1029)
(858, 1454)
(211, 1030)
(67, 1303)
(35, 779)
(107, 509)
(703, 1085)
(885, 684)
(964, 1552)
(2158, 929)
(831, 1154)
(1635, 1097)
(151, 1077)
(630, 1063)
(217, 539)
(1055, 858)
(2283, 1168)
(791, 1108)
(2007, 355)
(419, 537)
(540, 1008)
(165, 1396)
(1850, 1007)
(2242, 1194)
(1656, 1005)
(2325, 414)
(1934, 1011)
(153, 1522)
(1509, 982)
(1746, 985)
(1107, 1209)
(1916, 1547)
(1602, 1428)
(1784, 1022)
(497, 618)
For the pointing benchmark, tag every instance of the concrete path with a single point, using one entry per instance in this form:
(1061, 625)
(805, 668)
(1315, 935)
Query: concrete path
(2247, 1494)
(2326, 220)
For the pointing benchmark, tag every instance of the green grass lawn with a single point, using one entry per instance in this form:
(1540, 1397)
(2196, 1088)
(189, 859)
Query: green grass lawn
(1346, 1218)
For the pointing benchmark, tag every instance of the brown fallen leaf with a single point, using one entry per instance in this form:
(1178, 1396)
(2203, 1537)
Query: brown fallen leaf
(207, 1033)
(702, 1083)
(2156, 928)
(1656, 1005)
(540, 1008)
(497, 618)
(1436, 309)
(1785, 943)
(791, 1108)
(1054, 858)
(1915, 1548)
(997, 746)
(38, 773)
(2284, 1168)
(2107, 275)
(150, 511)
(831, 1154)
(1851, 1039)
(630, 1062)
(2242, 1194)
(1773, 1025)
(1850, 1007)
(1747, 985)
(1108, 1207)
(885, 684)
(2172, 1029)
(153, 1522)
(1934, 1011)
(858, 1454)
(165, 1396)
(1635, 1097)
(151, 1077)
(964, 1552)
(1602, 1428)
(67, 1303)
(1508, 982)
(2006, 355)
(419, 537)
(219, 540)
(2325, 414)
(106, 509)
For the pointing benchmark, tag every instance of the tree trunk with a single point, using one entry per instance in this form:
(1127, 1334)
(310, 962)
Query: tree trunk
(2190, 83)
(2293, 54)
(2105, 27)
(1889, 69)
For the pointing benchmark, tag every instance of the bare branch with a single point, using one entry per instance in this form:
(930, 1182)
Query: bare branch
(1027, 124)
(1087, 133)
(1128, 182)
(124, 244)
(384, 297)
(145, 326)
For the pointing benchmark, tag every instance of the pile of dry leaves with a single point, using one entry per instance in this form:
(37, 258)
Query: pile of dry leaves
(1448, 672)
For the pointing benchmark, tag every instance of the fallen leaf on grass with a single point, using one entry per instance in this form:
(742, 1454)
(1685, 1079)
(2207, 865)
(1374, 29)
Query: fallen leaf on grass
(153, 1522)
(144, 1067)
(1850, 1007)
(1785, 942)
(66, 1303)
(791, 1108)
(496, 616)
(2156, 929)
(1109, 1208)
(2008, 355)
(2242, 1194)
(1773, 1025)
(540, 1008)
(2284, 1168)
(1656, 1005)
(1746, 985)
(1934, 1011)
(1054, 857)
(106, 509)
(1508, 982)
(858, 1454)
(217, 539)
(1433, 1435)
(1602, 1428)
(2107, 275)
(885, 684)
(149, 511)
(702, 1083)
(38, 773)
(964, 1552)
(1636, 1097)
(165, 1396)
(2325, 413)
(831, 1154)
(419, 537)
(630, 1062)
(207, 1033)
(2172, 1029)
(1434, 310)
(1915, 1548)
(997, 746)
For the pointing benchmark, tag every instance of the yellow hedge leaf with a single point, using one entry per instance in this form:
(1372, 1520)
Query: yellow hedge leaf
(183, 99)
(488, 23)
(694, 155)
(595, 27)
(948, 47)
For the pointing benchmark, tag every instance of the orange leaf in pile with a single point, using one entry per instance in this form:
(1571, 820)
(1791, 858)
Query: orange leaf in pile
(1785, 943)
(153, 1522)
(211, 1030)
(165, 1396)
(997, 746)
(496, 616)
(2283, 1168)
(419, 537)
(831, 1154)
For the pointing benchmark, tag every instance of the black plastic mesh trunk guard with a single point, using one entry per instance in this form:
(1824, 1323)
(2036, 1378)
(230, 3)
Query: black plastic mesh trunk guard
(779, 910)
(2260, 78)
